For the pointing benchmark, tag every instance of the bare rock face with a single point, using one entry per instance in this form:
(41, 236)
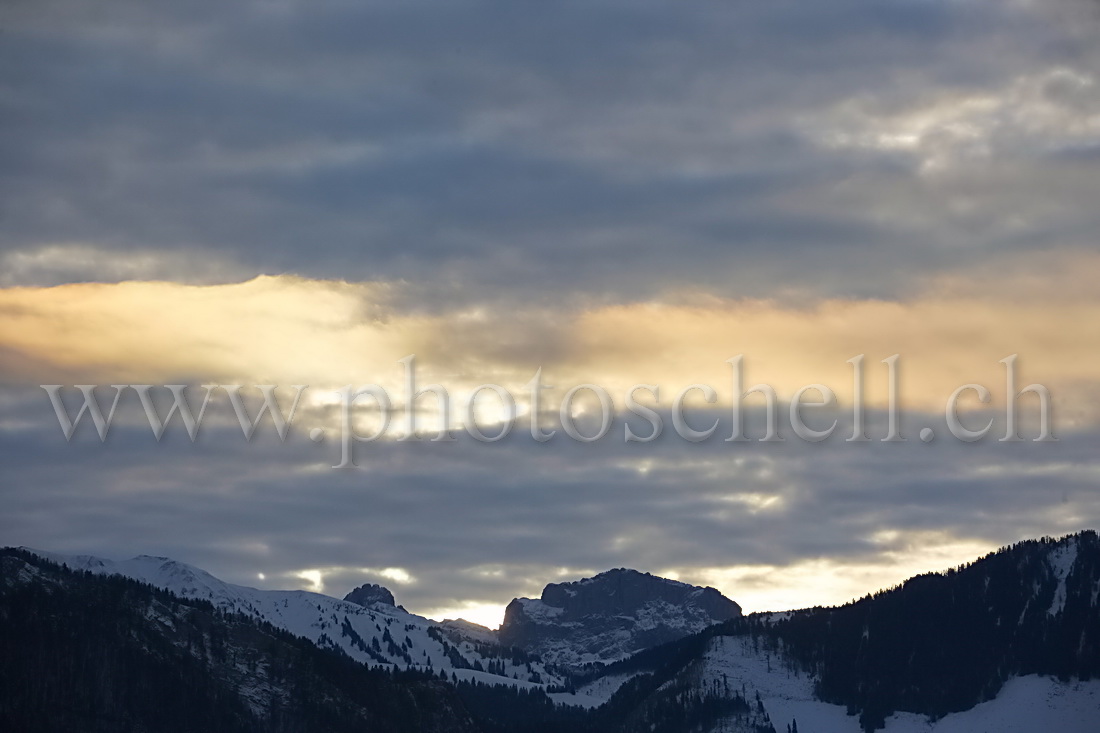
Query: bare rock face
(369, 594)
(610, 616)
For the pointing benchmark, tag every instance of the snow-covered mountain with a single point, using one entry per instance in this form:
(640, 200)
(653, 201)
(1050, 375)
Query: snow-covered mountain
(610, 616)
(600, 619)
(1025, 704)
(370, 629)
(106, 654)
(1007, 644)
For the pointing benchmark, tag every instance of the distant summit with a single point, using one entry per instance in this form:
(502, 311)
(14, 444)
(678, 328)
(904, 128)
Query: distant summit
(370, 593)
(611, 616)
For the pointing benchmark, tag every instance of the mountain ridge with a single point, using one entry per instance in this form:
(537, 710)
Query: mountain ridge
(110, 654)
(1013, 637)
(375, 634)
(610, 615)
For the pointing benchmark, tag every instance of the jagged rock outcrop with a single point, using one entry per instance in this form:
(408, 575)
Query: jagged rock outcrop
(610, 616)
(370, 593)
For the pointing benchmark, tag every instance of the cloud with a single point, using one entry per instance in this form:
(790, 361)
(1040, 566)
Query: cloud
(57, 264)
(285, 193)
(480, 523)
(282, 328)
(286, 330)
(598, 152)
(1038, 114)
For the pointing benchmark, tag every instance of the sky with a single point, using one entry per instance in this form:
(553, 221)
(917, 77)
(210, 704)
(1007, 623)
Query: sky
(604, 193)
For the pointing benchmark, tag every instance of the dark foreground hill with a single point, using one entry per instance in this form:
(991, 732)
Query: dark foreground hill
(80, 652)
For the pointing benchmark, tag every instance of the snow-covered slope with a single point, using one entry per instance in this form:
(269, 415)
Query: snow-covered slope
(1061, 561)
(1029, 704)
(376, 634)
(94, 653)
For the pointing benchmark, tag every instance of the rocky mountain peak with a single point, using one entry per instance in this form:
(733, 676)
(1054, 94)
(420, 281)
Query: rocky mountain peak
(369, 594)
(610, 616)
(623, 590)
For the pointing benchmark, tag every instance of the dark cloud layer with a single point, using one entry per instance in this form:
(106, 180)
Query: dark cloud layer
(485, 522)
(493, 150)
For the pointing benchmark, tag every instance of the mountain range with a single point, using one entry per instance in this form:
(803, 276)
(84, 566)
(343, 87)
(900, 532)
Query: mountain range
(1010, 642)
